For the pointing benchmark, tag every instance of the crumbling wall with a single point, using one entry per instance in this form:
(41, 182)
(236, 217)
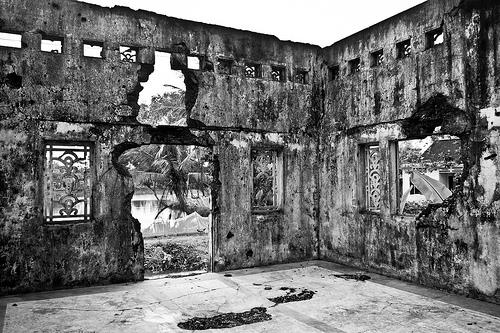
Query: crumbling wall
(317, 123)
(454, 245)
(69, 97)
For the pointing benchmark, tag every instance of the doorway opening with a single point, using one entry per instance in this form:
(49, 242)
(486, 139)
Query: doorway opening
(172, 201)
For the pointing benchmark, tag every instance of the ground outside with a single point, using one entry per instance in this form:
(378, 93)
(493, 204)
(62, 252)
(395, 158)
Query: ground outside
(313, 296)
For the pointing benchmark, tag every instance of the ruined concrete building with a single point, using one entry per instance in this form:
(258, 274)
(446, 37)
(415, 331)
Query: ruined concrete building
(326, 121)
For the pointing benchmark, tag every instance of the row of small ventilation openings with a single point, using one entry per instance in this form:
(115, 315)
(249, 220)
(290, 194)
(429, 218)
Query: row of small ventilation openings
(403, 50)
(90, 49)
(129, 54)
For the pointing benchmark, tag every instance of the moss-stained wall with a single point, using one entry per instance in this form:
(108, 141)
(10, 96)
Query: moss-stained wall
(69, 97)
(318, 127)
(453, 85)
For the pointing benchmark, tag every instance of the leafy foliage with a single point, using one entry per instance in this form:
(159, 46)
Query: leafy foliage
(164, 169)
(168, 108)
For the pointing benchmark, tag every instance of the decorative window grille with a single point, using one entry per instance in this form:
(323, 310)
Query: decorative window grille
(372, 174)
(128, 54)
(277, 73)
(224, 66)
(266, 179)
(403, 49)
(67, 183)
(252, 70)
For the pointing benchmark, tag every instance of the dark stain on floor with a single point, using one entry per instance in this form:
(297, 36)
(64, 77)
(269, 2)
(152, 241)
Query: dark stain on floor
(357, 276)
(293, 296)
(227, 320)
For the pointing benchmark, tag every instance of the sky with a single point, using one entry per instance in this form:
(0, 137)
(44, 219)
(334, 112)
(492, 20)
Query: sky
(320, 22)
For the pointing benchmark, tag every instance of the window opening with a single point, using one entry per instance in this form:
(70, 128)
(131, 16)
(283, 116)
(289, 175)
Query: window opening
(333, 73)
(128, 54)
(193, 62)
(354, 66)
(92, 49)
(403, 49)
(301, 76)
(67, 182)
(52, 45)
(278, 73)
(377, 58)
(253, 70)
(267, 179)
(224, 66)
(162, 101)
(427, 171)
(434, 37)
(10, 40)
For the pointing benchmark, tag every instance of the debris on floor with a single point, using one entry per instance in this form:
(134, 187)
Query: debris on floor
(357, 276)
(293, 296)
(227, 320)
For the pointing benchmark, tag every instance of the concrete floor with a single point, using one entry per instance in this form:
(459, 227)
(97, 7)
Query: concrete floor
(380, 304)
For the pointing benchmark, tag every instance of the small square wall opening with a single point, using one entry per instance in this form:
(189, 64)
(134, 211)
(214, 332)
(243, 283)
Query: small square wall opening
(354, 66)
(403, 49)
(193, 62)
(278, 73)
(300, 76)
(10, 40)
(224, 66)
(434, 38)
(92, 49)
(51, 45)
(128, 53)
(253, 70)
(333, 73)
(377, 58)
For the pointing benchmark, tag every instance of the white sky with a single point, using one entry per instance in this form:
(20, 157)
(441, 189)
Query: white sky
(320, 22)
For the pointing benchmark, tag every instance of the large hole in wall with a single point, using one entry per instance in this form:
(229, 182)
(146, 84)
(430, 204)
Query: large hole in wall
(173, 201)
(429, 170)
(162, 101)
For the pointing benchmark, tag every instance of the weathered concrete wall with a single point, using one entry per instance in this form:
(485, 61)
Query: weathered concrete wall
(455, 245)
(319, 127)
(66, 96)
(247, 238)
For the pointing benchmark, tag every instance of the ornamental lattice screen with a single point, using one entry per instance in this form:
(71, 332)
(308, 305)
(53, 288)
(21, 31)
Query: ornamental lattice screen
(67, 182)
(372, 163)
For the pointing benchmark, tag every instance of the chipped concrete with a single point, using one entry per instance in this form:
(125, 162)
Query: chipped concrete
(338, 305)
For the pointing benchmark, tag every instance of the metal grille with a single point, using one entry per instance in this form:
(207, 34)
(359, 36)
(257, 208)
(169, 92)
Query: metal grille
(373, 178)
(128, 54)
(265, 185)
(67, 183)
(252, 71)
(277, 74)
